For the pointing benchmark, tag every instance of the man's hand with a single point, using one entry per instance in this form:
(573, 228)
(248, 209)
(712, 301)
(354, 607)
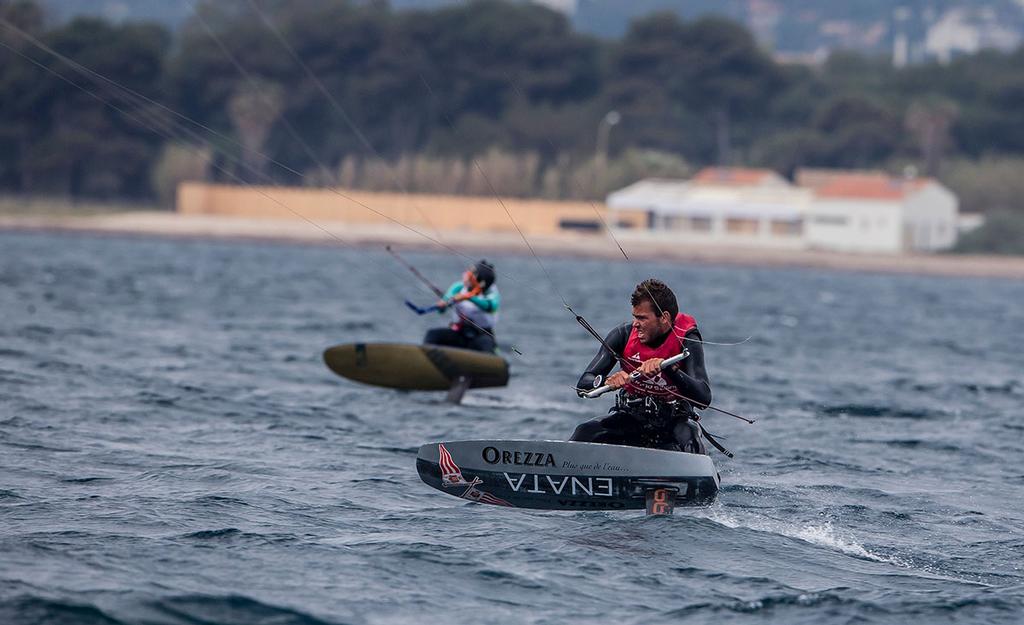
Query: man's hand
(617, 379)
(442, 304)
(462, 297)
(650, 367)
(647, 369)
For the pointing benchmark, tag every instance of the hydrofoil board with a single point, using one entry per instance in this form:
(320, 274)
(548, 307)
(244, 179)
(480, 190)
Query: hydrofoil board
(417, 367)
(566, 475)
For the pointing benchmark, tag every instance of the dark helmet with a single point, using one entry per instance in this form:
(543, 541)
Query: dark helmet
(484, 274)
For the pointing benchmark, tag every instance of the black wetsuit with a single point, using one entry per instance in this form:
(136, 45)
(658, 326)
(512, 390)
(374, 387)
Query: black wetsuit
(644, 421)
(467, 337)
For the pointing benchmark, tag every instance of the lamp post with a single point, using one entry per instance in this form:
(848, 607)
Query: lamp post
(601, 152)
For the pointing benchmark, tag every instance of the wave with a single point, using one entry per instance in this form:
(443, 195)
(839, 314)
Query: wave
(181, 610)
(792, 608)
(878, 410)
(221, 533)
(14, 379)
(773, 604)
(230, 610)
(232, 534)
(40, 610)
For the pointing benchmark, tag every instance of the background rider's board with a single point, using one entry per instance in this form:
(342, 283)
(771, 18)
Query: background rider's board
(563, 475)
(416, 367)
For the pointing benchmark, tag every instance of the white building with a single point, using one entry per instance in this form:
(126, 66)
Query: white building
(874, 212)
(966, 31)
(827, 209)
(728, 206)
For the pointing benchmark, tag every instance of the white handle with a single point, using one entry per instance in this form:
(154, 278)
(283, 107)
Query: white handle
(665, 364)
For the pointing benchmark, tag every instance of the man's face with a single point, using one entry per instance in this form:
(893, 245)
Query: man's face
(649, 325)
(469, 278)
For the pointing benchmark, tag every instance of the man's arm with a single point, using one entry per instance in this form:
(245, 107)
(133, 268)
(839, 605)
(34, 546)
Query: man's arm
(452, 291)
(690, 376)
(605, 360)
(489, 301)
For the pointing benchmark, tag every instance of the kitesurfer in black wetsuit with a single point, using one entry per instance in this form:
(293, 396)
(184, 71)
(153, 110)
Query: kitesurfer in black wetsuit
(658, 409)
(473, 305)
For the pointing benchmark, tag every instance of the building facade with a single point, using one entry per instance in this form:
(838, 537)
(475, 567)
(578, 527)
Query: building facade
(847, 211)
(724, 206)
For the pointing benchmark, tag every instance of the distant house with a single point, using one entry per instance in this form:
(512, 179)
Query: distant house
(732, 206)
(851, 211)
(961, 30)
(864, 211)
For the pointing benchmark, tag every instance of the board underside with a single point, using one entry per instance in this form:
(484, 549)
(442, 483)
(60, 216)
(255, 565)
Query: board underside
(415, 367)
(564, 475)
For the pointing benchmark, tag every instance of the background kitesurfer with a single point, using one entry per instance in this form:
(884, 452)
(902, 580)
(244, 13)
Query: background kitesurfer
(473, 305)
(657, 409)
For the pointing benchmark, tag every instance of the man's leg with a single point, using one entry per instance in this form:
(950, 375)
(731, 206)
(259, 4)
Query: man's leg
(482, 342)
(687, 436)
(444, 336)
(618, 428)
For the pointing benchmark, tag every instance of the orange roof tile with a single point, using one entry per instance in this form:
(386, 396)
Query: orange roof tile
(814, 178)
(862, 184)
(733, 176)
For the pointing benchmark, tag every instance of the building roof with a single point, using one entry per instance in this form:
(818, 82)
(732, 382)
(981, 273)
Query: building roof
(873, 185)
(648, 192)
(737, 177)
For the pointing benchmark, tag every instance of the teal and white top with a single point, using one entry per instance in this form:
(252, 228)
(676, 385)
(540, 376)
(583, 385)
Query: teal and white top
(480, 310)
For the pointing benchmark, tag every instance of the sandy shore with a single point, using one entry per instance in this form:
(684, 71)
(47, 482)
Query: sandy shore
(175, 225)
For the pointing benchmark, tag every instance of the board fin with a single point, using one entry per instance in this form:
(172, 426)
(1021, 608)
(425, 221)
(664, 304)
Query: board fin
(661, 501)
(458, 389)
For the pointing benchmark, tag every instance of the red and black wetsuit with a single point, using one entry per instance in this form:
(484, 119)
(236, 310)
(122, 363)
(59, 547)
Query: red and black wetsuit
(650, 414)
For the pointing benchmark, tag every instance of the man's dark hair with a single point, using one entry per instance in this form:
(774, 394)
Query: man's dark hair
(484, 273)
(661, 297)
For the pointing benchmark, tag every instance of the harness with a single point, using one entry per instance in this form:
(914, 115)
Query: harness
(652, 412)
(659, 419)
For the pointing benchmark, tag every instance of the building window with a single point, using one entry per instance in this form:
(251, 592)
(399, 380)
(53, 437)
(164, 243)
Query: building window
(682, 222)
(792, 228)
(580, 225)
(738, 225)
(675, 222)
(830, 220)
(700, 224)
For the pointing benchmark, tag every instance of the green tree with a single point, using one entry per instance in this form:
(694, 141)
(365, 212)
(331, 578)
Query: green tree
(1002, 233)
(684, 78)
(68, 142)
(858, 132)
(643, 84)
(17, 82)
(725, 77)
(25, 15)
(929, 120)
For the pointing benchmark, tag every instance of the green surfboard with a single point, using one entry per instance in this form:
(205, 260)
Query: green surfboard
(416, 367)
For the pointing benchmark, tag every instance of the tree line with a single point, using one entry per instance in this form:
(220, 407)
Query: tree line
(330, 91)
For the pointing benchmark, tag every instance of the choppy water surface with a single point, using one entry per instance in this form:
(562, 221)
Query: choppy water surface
(172, 449)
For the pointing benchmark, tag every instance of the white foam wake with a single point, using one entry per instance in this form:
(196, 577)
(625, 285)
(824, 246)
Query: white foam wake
(824, 534)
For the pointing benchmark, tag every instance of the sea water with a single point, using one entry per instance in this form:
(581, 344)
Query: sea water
(174, 451)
